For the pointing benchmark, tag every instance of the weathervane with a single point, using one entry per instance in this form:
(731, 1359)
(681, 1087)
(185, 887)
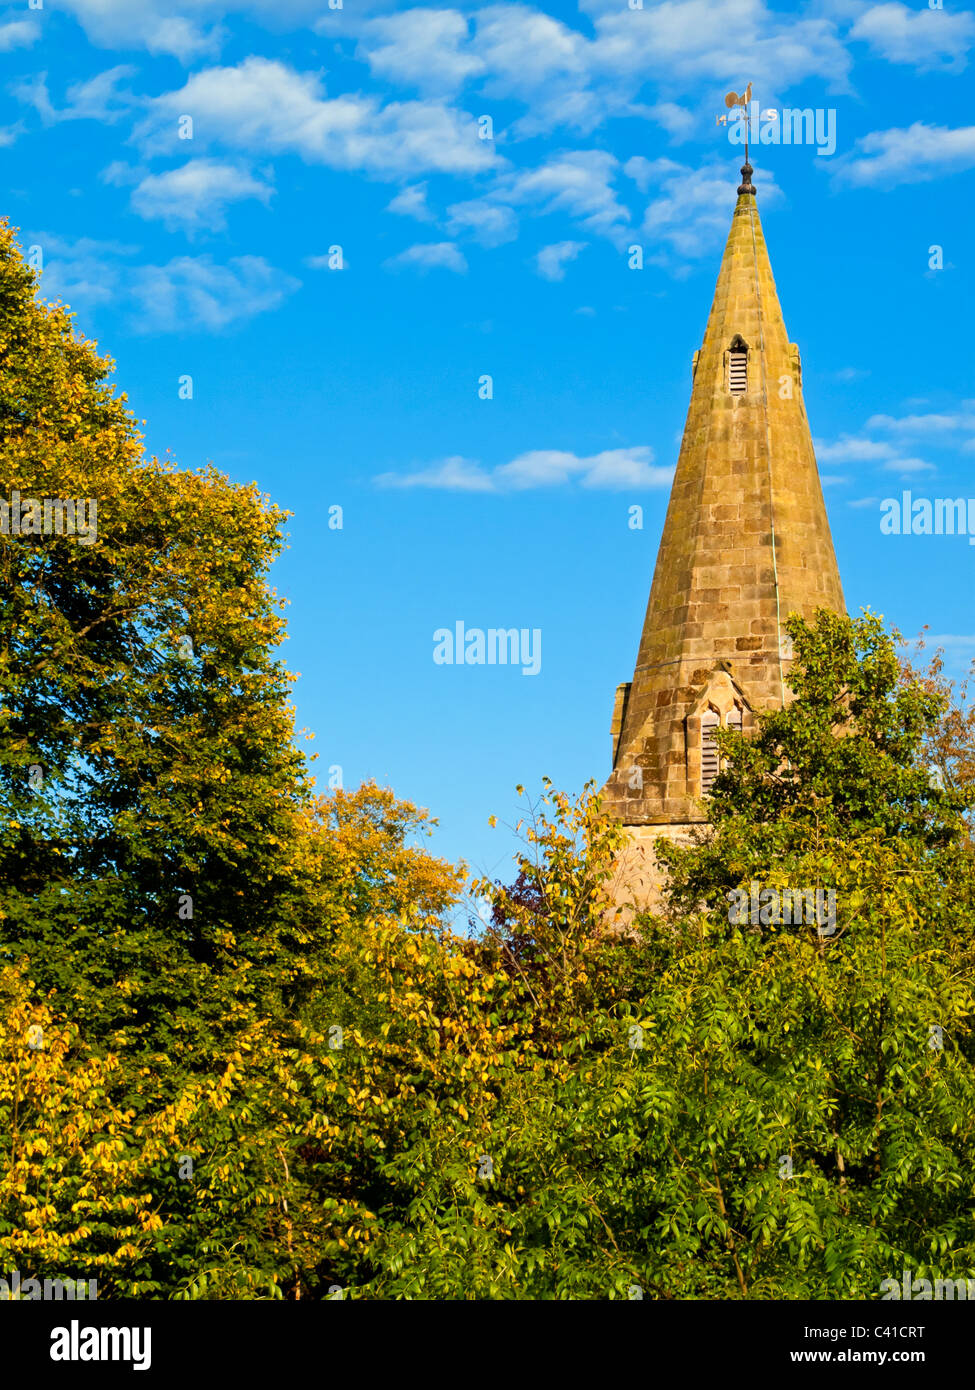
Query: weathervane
(731, 101)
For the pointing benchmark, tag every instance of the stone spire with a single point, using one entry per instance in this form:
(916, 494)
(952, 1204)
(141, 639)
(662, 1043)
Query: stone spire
(746, 541)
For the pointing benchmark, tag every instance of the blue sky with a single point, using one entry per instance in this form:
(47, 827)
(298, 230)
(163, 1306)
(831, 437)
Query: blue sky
(360, 128)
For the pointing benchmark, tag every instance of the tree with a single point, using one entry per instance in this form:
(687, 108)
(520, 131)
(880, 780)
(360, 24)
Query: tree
(950, 743)
(150, 788)
(818, 1136)
(73, 1203)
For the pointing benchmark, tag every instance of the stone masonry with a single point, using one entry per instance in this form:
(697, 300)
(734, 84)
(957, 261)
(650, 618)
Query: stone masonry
(746, 541)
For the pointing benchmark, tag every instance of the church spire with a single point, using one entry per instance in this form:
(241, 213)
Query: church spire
(745, 542)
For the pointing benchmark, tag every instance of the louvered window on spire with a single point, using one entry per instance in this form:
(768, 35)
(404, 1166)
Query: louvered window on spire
(738, 373)
(709, 751)
(734, 718)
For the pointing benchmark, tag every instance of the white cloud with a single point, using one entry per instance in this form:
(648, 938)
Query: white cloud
(97, 99)
(146, 24)
(122, 175)
(540, 61)
(18, 33)
(570, 78)
(197, 194)
(54, 245)
(689, 217)
(936, 429)
(513, 50)
(35, 93)
(186, 294)
(926, 424)
(923, 38)
(83, 273)
(189, 29)
(455, 474)
(885, 158)
(858, 449)
(685, 43)
(625, 468)
(904, 467)
(412, 202)
(853, 449)
(612, 470)
(678, 122)
(574, 77)
(429, 255)
(552, 260)
(425, 48)
(194, 292)
(262, 105)
(491, 224)
(578, 183)
(527, 46)
(649, 172)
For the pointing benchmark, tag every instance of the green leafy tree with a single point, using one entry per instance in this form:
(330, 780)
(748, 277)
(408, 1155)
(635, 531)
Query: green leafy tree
(150, 788)
(820, 1132)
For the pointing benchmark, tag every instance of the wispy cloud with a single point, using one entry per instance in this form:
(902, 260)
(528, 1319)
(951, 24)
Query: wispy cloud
(185, 294)
(612, 470)
(491, 224)
(579, 183)
(429, 255)
(412, 202)
(423, 48)
(886, 158)
(687, 216)
(859, 449)
(97, 99)
(854, 449)
(262, 105)
(197, 292)
(551, 261)
(934, 423)
(196, 195)
(904, 467)
(148, 24)
(927, 39)
(18, 33)
(84, 272)
(576, 78)
(454, 474)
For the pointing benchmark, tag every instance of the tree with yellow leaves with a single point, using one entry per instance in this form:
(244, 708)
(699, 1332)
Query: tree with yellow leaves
(72, 1198)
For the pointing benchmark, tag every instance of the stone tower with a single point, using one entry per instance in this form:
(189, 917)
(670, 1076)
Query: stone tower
(745, 542)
